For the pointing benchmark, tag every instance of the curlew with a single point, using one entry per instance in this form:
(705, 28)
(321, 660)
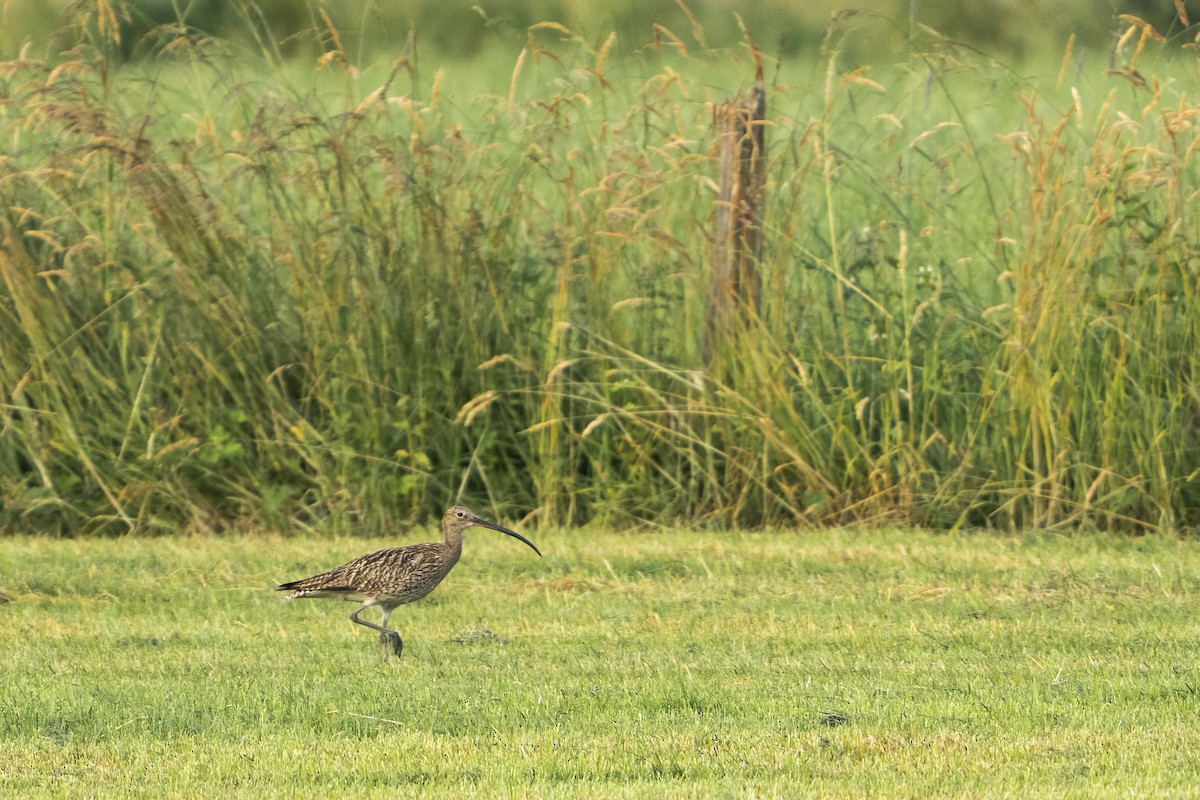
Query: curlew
(398, 575)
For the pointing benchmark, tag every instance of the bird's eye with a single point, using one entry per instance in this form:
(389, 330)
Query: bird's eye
(460, 514)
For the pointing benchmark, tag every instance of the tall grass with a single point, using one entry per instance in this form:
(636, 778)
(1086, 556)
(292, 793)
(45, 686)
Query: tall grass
(240, 292)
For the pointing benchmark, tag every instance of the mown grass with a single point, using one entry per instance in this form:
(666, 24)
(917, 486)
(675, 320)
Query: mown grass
(835, 664)
(242, 290)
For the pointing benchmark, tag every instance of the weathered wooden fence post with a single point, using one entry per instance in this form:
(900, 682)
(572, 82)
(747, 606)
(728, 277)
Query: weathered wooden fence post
(735, 286)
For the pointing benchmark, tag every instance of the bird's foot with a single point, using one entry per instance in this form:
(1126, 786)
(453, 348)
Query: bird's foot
(393, 640)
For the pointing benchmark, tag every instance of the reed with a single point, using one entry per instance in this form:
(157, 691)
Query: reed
(241, 290)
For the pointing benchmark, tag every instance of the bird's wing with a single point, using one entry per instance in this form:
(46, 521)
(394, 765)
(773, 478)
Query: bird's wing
(386, 566)
(338, 579)
(379, 571)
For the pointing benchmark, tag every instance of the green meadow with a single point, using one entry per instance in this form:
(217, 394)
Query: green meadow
(843, 663)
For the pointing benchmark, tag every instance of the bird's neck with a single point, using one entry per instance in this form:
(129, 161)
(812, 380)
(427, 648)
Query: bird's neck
(453, 543)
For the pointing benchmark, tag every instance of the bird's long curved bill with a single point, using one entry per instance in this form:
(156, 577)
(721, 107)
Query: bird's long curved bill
(483, 523)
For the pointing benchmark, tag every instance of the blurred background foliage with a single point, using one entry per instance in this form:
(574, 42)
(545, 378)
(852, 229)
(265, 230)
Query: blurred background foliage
(1007, 29)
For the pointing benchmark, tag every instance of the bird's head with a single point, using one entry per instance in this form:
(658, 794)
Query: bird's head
(460, 518)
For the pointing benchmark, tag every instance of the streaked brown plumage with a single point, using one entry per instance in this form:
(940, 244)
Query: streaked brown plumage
(398, 575)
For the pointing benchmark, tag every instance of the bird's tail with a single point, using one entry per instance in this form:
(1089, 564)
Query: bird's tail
(315, 587)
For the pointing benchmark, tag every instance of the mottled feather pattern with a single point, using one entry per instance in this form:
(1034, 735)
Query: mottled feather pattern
(392, 577)
(398, 575)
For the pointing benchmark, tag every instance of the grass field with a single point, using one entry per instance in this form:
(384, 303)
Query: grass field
(834, 664)
(254, 284)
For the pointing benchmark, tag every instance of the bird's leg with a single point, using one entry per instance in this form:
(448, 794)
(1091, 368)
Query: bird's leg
(391, 637)
(386, 636)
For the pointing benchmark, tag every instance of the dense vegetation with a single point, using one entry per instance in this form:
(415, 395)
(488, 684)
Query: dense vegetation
(242, 289)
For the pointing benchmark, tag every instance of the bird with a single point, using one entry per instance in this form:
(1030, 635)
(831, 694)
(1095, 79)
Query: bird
(395, 576)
